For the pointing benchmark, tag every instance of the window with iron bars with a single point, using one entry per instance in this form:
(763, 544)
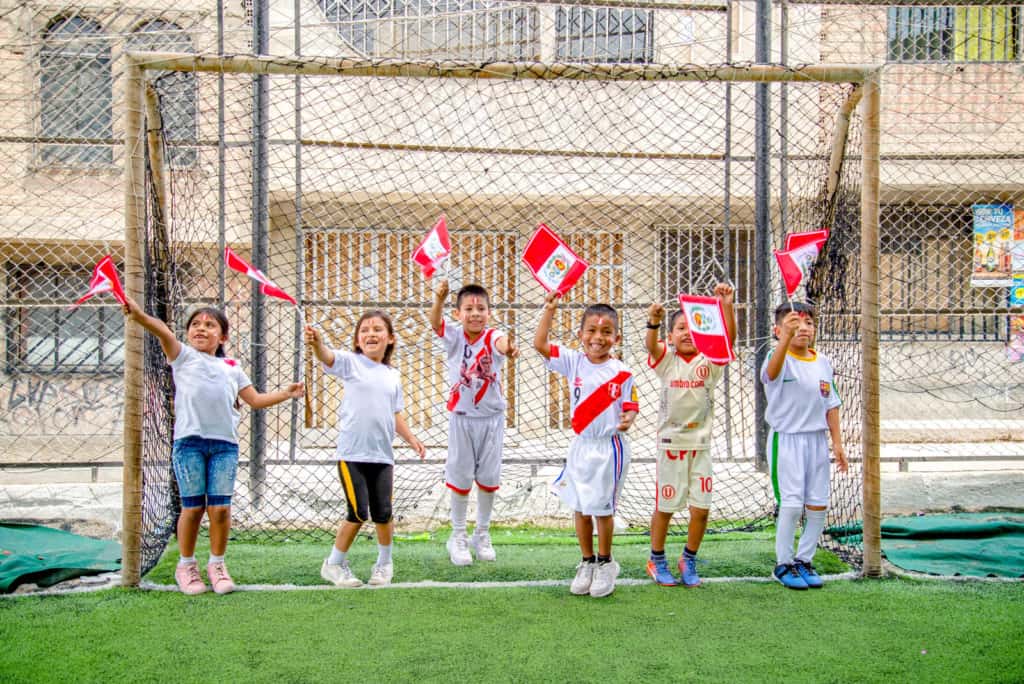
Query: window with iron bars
(604, 34)
(954, 34)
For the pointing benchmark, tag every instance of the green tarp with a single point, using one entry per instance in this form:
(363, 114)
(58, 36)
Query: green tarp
(45, 556)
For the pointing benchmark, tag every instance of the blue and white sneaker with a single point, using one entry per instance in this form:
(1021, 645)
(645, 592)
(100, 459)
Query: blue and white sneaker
(788, 576)
(659, 572)
(809, 575)
(688, 570)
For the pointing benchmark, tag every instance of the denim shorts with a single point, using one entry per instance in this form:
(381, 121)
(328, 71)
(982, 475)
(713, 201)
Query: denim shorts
(205, 470)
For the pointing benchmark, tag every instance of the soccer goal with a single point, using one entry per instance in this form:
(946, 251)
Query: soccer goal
(325, 174)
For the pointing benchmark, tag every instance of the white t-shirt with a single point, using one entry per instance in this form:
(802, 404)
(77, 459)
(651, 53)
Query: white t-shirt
(801, 394)
(366, 416)
(474, 371)
(206, 389)
(687, 406)
(599, 393)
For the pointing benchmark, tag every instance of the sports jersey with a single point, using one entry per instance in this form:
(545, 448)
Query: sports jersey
(366, 416)
(206, 390)
(474, 371)
(801, 394)
(599, 393)
(687, 407)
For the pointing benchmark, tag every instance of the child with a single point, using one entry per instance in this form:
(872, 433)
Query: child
(688, 381)
(207, 387)
(803, 408)
(604, 405)
(368, 418)
(476, 424)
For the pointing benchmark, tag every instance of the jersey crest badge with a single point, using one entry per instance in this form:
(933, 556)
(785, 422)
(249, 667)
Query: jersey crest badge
(826, 389)
(614, 390)
(231, 362)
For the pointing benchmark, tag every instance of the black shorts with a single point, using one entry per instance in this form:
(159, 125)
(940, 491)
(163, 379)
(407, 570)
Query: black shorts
(367, 488)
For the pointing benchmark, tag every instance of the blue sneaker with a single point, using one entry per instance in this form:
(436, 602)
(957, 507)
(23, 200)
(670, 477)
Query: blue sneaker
(659, 572)
(688, 571)
(809, 575)
(789, 577)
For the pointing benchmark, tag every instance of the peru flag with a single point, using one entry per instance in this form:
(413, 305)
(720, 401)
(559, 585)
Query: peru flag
(553, 264)
(267, 286)
(104, 279)
(801, 252)
(434, 249)
(706, 321)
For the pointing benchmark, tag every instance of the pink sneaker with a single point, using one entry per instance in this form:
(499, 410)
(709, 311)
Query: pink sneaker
(219, 578)
(188, 579)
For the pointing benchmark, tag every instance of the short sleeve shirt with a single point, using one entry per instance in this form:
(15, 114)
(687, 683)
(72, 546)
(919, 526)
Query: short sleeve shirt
(801, 394)
(687, 408)
(206, 391)
(474, 371)
(599, 393)
(366, 416)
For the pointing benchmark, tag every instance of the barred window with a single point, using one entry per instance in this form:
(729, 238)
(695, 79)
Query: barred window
(177, 90)
(358, 22)
(76, 93)
(954, 34)
(484, 30)
(45, 336)
(588, 34)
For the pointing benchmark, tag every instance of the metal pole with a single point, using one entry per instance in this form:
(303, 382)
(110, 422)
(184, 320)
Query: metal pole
(221, 157)
(762, 227)
(300, 260)
(784, 120)
(260, 223)
(727, 255)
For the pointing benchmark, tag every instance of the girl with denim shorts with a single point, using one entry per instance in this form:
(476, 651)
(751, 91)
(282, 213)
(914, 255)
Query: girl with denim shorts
(207, 387)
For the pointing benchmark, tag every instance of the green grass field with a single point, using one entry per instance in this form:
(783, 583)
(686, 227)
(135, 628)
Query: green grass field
(851, 631)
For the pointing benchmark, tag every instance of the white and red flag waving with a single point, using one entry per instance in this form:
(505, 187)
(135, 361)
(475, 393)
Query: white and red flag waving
(796, 259)
(434, 249)
(267, 286)
(553, 264)
(104, 279)
(706, 321)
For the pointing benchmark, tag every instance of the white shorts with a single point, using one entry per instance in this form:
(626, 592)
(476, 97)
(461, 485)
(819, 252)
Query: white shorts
(474, 452)
(593, 474)
(800, 467)
(684, 479)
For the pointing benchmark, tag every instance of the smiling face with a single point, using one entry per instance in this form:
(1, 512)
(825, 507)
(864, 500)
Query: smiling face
(679, 335)
(205, 333)
(598, 335)
(473, 312)
(375, 338)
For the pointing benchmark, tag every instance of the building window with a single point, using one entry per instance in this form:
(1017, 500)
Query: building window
(481, 30)
(76, 93)
(177, 90)
(954, 34)
(358, 22)
(587, 34)
(44, 335)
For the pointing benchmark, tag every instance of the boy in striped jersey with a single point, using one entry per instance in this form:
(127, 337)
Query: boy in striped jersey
(688, 380)
(803, 410)
(604, 405)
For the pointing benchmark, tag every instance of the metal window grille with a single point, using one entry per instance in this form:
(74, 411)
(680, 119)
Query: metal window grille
(605, 34)
(468, 29)
(960, 34)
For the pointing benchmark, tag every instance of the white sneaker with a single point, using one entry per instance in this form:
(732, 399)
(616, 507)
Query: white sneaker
(482, 547)
(458, 549)
(584, 576)
(604, 579)
(381, 574)
(339, 575)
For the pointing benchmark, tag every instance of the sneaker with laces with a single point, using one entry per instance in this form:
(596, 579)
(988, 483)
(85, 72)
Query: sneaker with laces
(340, 575)
(788, 576)
(658, 571)
(688, 571)
(482, 547)
(381, 574)
(809, 575)
(220, 580)
(584, 578)
(604, 579)
(188, 579)
(458, 549)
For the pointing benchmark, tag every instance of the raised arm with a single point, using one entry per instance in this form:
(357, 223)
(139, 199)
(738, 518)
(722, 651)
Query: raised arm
(725, 294)
(652, 340)
(437, 308)
(259, 400)
(316, 342)
(540, 338)
(168, 342)
(403, 431)
(786, 331)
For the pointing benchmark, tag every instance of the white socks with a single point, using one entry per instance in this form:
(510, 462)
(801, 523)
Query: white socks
(383, 554)
(459, 505)
(186, 560)
(809, 537)
(785, 533)
(337, 557)
(216, 559)
(484, 508)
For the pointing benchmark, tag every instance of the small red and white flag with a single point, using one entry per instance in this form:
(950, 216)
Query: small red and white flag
(267, 286)
(553, 264)
(434, 249)
(706, 321)
(104, 279)
(802, 250)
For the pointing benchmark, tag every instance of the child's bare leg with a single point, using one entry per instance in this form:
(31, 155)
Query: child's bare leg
(385, 533)
(659, 529)
(188, 530)
(585, 533)
(346, 535)
(696, 529)
(220, 527)
(605, 532)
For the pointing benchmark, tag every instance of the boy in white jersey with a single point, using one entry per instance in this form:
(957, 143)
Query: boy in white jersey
(803, 409)
(688, 380)
(604, 405)
(474, 355)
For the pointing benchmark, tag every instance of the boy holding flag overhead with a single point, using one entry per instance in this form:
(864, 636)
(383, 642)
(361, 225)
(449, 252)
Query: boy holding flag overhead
(688, 377)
